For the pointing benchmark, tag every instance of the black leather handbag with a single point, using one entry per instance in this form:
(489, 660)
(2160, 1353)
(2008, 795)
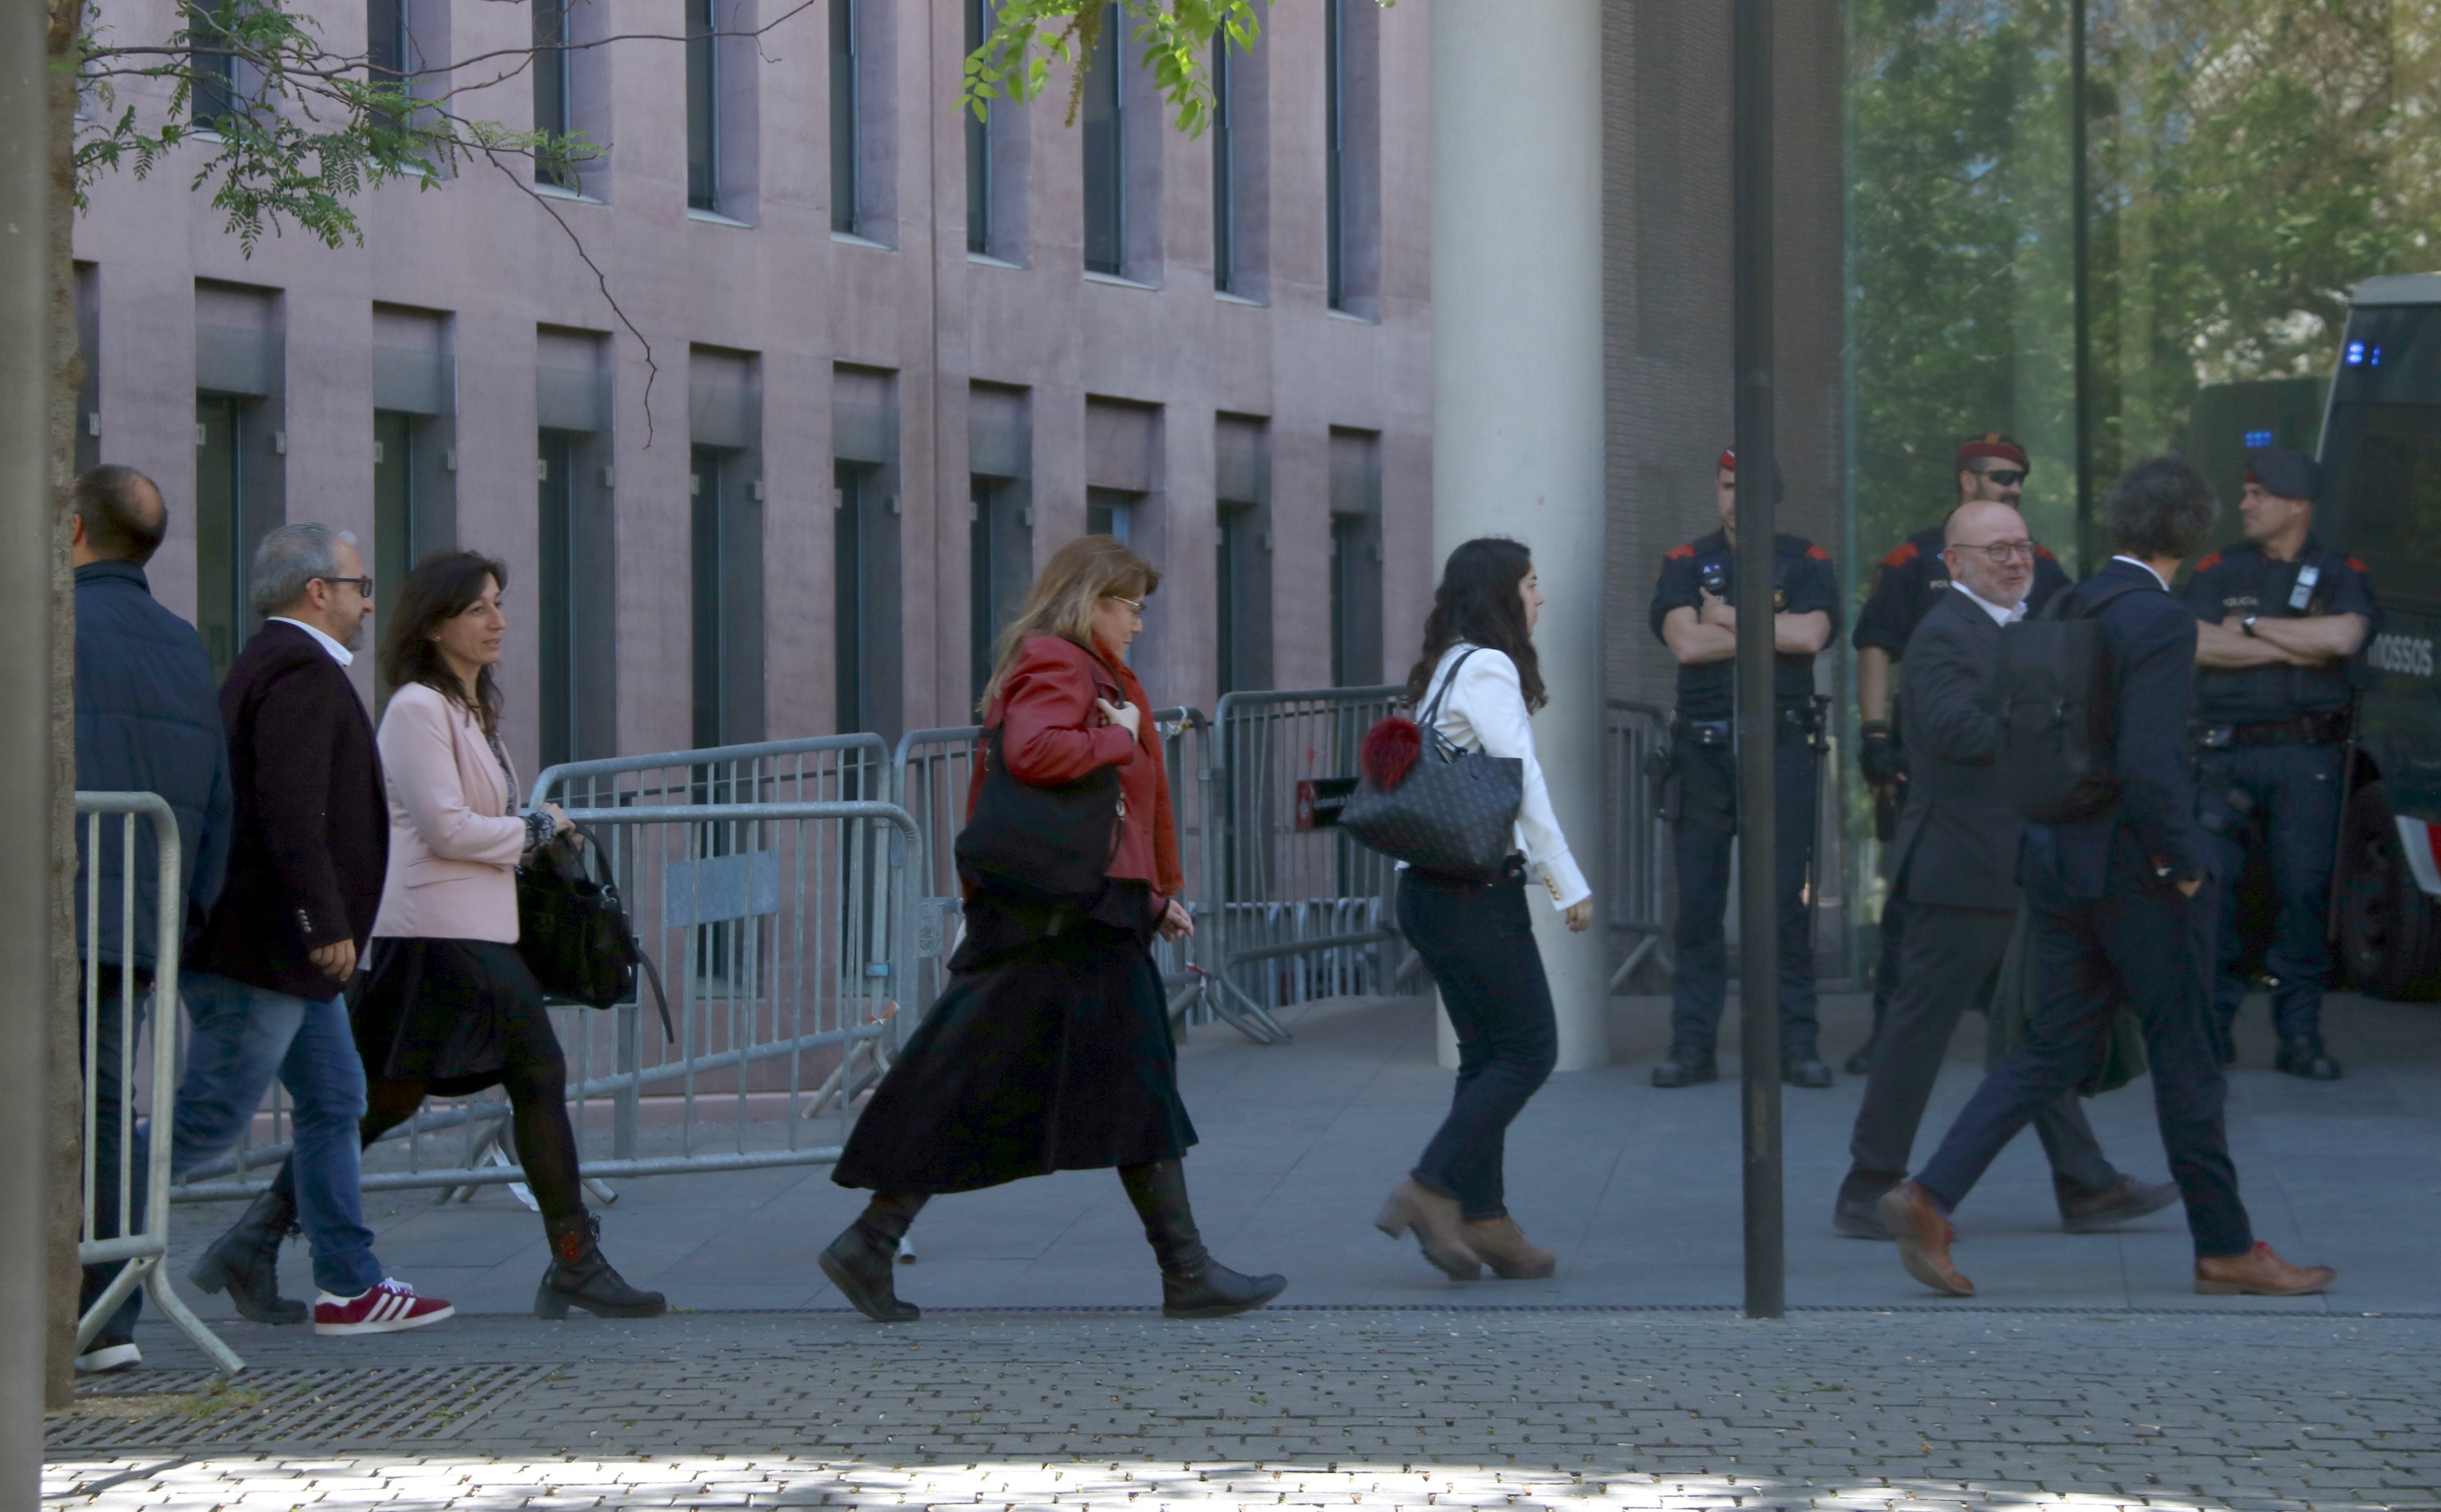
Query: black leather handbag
(1442, 809)
(1047, 845)
(574, 933)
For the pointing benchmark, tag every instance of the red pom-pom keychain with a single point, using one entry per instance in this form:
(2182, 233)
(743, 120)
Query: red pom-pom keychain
(1389, 749)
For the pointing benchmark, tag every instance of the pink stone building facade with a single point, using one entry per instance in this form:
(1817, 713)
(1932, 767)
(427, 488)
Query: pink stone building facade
(888, 361)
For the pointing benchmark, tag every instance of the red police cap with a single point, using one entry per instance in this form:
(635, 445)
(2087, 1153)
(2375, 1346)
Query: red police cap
(1730, 460)
(1992, 443)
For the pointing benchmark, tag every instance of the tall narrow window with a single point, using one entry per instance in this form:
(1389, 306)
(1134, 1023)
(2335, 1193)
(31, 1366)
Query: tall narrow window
(1241, 485)
(221, 427)
(1355, 558)
(88, 405)
(983, 604)
(1334, 57)
(703, 105)
(709, 630)
(1105, 144)
(1224, 166)
(398, 482)
(1110, 512)
(979, 164)
(386, 44)
(551, 102)
(213, 67)
(848, 597)
(556, 531)
(844, 145)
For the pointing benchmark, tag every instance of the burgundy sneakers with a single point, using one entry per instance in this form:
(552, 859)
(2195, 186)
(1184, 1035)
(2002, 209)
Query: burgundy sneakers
(385, 1309)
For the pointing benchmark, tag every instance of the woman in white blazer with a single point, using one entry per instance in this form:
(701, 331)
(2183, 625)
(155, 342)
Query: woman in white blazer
(447, 1005)
(1478, 938)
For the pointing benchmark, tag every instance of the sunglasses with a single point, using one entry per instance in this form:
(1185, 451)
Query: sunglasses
(2006, 477)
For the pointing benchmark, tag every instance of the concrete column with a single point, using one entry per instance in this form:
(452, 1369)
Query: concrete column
(1517, 387)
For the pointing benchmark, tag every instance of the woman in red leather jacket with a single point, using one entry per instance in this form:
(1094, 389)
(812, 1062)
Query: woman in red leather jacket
(1050, 1049)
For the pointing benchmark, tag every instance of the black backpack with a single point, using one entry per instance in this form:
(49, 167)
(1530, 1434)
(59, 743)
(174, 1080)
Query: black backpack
(2057, 701)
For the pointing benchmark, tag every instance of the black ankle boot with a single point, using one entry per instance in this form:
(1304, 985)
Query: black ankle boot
(860, 1261)
(580, 1276)
(1193, 1285)
(245, 1262)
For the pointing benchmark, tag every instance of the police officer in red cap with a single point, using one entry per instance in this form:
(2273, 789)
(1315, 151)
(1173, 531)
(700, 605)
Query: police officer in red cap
(2282, 616)
(1991, 467)
(1693, 613)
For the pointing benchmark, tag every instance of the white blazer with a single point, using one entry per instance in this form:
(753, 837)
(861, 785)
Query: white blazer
(1486, 711)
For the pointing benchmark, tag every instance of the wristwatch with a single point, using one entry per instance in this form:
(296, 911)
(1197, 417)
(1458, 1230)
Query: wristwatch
(2246, 624)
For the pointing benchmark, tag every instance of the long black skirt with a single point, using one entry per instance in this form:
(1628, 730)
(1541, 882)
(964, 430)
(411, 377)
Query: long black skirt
(454, 1014)
(1055, 1056)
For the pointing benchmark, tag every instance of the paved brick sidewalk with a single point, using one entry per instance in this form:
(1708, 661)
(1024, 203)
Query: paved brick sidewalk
(1885, 1411)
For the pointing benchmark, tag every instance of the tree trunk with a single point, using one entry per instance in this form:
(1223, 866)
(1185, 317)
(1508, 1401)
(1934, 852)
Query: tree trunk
(65, 1077)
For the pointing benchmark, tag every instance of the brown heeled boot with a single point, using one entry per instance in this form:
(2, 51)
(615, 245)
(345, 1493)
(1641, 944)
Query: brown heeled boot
(1504, 1247)
(1439, 1231)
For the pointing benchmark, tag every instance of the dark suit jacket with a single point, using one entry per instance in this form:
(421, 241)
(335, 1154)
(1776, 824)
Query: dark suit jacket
(312, 838)
(1957, 837)
(2151, 828)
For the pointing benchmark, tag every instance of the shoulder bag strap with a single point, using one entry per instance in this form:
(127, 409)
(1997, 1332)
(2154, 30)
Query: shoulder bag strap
(1433, 710)
(599, 865)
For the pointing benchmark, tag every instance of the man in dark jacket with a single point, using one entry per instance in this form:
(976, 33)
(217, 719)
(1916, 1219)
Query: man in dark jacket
(1955, 860)
(306, 880)
(146, 722)
(2121, 906)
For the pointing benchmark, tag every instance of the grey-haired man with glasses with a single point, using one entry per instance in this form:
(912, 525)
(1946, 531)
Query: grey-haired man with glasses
(1955, 860)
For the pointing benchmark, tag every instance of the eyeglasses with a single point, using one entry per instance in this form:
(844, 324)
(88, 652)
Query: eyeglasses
(2006, 477)
(363, 585)
(2001, 552)
(1135, 606)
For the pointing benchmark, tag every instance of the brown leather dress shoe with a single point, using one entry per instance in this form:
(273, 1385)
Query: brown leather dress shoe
(1923, 1235)
(1438, 1227)
(2259, 1273)
(1503, 1246)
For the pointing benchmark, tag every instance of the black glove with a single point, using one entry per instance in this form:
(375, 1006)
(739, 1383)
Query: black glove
(1878, 754)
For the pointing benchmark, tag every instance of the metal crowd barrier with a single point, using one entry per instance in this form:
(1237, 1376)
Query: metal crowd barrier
(146, 1250)
(1303, 910)
(1635, 839)
(784, 932)
(932, 769)
(818, 769)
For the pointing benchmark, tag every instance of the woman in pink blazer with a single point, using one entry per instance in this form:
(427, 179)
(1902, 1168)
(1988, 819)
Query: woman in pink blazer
(446, 1006)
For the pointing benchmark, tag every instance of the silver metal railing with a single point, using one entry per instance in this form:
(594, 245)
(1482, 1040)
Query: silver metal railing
(934, 769)
(784, 932)
(1636, 840)
(1303, 910)
(111, 1081)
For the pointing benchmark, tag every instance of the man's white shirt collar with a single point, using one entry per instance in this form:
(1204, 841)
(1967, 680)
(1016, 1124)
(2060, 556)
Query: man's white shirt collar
(338, 652)
(2147, 567)
(1999, 616)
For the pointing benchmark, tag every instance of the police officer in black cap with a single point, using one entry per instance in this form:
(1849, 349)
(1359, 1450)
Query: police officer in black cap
(1991, 468)
(1692, 615)
(2281, 617)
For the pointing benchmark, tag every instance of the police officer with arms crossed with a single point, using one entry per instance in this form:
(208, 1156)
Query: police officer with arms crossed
(2281, 616)
(1692, 615)
(1991, 469)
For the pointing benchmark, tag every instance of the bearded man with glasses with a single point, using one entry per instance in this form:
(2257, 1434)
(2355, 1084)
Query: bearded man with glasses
(1991, 469)
(1955, 858)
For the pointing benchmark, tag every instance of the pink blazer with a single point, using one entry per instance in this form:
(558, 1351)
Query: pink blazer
(453, 843)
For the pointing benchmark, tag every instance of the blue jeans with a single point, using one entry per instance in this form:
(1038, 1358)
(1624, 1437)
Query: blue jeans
(243, 1036)
(1482, 955)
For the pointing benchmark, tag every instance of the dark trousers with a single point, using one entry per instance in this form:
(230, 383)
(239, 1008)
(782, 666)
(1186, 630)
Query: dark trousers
(112, 1038)
(1481, 953)
(1885, 963)
(1952, 962)
(1703, 838)
(2295, 791)
(2147, 945)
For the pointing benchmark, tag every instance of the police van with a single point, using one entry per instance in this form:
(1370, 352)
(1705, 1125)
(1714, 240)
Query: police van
(2381, 458)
